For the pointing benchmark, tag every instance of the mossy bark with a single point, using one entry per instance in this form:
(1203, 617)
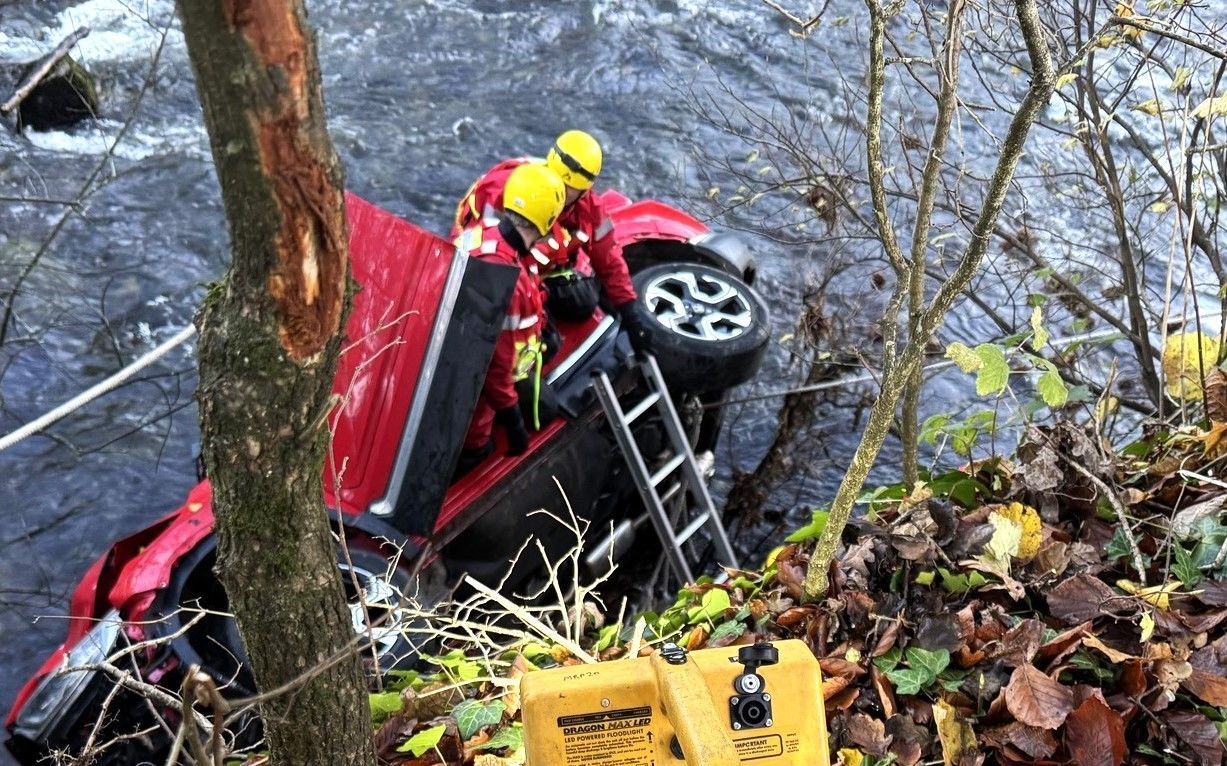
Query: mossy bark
(900, 369)
(268, 347)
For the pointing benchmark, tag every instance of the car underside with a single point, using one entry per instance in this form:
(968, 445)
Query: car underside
(406, 530)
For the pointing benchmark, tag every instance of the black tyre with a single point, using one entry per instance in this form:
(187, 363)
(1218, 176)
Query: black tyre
(379, 593)
(383, 599)
(711, 329)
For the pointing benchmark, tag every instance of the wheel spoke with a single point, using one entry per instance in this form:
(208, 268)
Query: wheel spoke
(699, 306)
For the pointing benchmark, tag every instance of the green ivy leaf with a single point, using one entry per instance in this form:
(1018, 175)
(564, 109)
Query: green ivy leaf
(727, 630)
(909, 680)
(383, 706)
(964, 357)
(993, 372)
(810, 531)
(1039, 335)
(472, 715)
(423, 740)
(714, 602)
(1185, 567)
(889, 659)
(931, 662)
(961, 583)
(511, 737)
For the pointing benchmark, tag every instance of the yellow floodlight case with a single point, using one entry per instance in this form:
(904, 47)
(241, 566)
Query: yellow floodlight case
(713, 707)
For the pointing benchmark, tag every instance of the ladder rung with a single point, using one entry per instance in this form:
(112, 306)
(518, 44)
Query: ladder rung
(691, 528)
(670, 492)
(642, 407)
(668, 468)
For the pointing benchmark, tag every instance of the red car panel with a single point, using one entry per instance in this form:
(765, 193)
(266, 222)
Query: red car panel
(388, 328)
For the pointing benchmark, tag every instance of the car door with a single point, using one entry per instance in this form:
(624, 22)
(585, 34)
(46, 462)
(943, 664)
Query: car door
(419, 339)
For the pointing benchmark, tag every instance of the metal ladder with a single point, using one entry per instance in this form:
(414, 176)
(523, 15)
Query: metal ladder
(686, 519)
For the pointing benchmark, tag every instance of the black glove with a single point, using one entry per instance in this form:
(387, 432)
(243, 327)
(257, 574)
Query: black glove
(572, 298)
(513, 423)
(538, 405)
(636, 321)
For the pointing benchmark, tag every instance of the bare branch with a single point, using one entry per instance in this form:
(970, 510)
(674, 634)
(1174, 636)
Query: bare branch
(1146, 26)
(45, 66)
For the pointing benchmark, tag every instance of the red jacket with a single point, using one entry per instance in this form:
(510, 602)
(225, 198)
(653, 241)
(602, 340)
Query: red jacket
(584, 228)
(517, 352)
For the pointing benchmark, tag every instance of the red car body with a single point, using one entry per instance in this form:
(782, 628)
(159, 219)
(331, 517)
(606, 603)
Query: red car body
(394, 338)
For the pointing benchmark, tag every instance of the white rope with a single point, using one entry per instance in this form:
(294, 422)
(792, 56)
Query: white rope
(95, 391)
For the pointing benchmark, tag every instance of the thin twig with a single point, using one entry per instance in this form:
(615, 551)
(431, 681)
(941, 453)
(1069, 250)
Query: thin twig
(48, 63)
(1137, 23)
(528, 619)
(1121, 516)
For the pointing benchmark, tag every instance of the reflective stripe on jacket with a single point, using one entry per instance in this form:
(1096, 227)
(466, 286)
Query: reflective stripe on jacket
(585, 225)
(518, 350)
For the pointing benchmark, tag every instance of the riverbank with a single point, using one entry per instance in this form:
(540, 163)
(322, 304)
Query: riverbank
(1063, 605)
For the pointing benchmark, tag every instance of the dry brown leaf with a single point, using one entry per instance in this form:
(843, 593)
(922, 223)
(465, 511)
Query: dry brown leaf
(841, 700)
(1037, 700)
(795, 615)
(1133, 678)
(1198, 733)
(1063, 644)
(1095, 734)
(1212, 592)
(1172, 673)
(1216, 395)
(1020, 643)
(886, 694)
(1080, 598)
(955, 733)
(833, 686)
(908, 741)
(1115, 655)
(869, 734)
(1209, 686)
(1032, 740)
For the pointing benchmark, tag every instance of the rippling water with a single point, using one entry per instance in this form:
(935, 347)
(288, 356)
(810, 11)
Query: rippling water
(421, 97)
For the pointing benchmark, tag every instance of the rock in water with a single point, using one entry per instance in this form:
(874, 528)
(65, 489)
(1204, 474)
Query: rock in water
(65, 97)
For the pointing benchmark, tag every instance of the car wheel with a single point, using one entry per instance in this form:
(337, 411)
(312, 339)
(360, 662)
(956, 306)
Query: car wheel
(711, 329)
(370, 572)
(384, 601)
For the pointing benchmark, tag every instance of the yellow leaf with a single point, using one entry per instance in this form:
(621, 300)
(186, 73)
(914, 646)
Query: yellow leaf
(1159, 207)
(1105, 407)
(1148, 627)
(1151, 107)
(1030, 528)
(1157, 595)
(1212, 440)
(1007, 536)
(1211, 106)
(964, 357)
(849, 757)
(953, 730)
(713, 192)
(1066, 79)
(1187, 357)
(1182, 77)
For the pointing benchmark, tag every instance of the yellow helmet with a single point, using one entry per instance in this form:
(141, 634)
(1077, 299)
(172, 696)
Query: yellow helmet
(536, 193)
(576, 158)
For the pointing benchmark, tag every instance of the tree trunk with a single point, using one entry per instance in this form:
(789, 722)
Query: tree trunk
(268, 348)
(902, 367)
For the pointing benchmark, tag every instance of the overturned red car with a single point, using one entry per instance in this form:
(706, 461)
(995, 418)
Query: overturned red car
(398, 433)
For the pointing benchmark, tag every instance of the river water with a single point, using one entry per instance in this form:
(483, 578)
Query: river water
(421, 97)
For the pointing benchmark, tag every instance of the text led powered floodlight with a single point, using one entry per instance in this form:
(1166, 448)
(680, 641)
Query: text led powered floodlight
(713, 707)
